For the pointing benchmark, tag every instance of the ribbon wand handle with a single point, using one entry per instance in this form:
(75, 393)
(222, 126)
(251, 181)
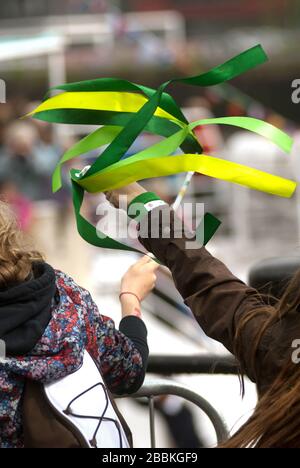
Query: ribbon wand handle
(182, 190)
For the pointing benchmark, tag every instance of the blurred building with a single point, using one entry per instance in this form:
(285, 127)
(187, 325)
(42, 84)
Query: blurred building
(173, 37)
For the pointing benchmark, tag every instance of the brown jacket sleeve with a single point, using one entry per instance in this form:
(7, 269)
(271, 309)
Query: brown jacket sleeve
(216, 297)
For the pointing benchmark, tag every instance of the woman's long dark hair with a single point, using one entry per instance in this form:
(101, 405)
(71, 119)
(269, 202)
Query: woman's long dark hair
(275, 422)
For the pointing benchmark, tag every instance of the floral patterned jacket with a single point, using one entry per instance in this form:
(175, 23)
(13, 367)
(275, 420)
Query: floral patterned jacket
(75, 325)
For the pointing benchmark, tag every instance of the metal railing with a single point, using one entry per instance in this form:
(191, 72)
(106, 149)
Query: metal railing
(158, 387)
(190, 364)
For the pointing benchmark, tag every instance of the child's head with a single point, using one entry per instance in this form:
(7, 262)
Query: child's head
(16, 258)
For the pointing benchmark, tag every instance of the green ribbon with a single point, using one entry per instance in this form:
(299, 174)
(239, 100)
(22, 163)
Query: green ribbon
(122, 128)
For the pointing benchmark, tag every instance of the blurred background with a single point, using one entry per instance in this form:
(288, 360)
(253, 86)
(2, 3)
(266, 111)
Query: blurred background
(43, 44)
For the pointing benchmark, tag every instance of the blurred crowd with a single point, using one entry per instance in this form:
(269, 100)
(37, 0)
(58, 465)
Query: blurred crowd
(29, 152)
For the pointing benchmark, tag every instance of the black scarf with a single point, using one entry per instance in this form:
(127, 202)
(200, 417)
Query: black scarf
(25, 310)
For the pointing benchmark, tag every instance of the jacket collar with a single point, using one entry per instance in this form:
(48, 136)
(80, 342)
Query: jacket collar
(25, 310)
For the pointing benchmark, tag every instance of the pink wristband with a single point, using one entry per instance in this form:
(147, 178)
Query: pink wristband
(136, 312)
(132, 294)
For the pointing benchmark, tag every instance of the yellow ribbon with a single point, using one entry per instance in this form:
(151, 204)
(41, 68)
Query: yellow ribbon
(130, 170)
(100, 100)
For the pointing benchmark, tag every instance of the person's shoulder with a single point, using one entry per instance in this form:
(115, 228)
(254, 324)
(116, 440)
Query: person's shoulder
(67, 285)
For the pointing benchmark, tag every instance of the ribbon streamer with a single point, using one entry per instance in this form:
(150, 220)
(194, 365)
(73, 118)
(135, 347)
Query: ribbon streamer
(126, 110)
(136, 168)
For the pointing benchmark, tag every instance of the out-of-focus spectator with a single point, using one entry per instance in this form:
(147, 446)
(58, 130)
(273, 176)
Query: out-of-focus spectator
(180, 422)
(17, 163)
(47, 151)
(210, 138)
(21, 205)
(2, 132)
(28, 156)
(6, 115)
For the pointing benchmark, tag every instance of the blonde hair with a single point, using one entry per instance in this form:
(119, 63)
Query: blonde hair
(16, 258)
